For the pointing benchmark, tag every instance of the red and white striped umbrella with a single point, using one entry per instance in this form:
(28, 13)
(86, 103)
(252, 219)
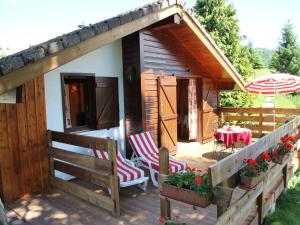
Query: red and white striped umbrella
(279, 83)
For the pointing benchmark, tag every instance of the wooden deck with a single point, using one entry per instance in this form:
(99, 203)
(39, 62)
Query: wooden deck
(137, 207)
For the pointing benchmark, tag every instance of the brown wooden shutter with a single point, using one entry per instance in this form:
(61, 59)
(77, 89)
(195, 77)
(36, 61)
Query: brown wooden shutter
(107, 102)
(168, 112)
(210, 105)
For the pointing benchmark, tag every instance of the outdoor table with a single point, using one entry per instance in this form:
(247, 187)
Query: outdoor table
(229, 136)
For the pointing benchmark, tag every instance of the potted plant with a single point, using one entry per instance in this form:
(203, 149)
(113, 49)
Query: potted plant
(281, 153)
(254, 170)
(189, 187)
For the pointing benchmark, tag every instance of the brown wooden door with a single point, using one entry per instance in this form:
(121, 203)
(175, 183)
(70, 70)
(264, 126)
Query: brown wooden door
(209, 107)
(168, 112)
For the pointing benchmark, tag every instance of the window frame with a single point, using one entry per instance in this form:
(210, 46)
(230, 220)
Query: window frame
(86, 76)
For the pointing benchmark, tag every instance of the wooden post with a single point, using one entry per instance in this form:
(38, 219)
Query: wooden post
(260, 122)
(114, 182)
(285, 176)
(165, 207)
(260, 201)
(229, 183)
(51, 162)
(3, 220)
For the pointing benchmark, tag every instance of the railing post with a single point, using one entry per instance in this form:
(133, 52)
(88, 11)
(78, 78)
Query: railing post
(114, 182)
(51, 162)
(165, 208)
(261, 202)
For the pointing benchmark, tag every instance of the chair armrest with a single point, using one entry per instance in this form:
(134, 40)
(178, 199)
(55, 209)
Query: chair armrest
(129, 162)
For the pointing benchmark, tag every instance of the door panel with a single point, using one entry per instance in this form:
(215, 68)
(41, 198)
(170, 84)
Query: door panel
(209, 109)
(168, 112)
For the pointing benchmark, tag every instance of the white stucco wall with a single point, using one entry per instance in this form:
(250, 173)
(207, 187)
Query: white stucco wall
(105, 61)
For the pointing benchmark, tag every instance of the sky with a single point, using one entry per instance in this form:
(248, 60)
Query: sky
(28, 22)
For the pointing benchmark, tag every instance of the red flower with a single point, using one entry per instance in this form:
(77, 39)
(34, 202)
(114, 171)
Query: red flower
(162, 220)
(188, 168)
(177, 217)
(275, 154)
(198, 180)
(255, 171)
(252, 162)
(265, 156)
(289, 146)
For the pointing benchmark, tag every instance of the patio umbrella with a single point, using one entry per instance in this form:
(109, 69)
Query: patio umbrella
(277, 83)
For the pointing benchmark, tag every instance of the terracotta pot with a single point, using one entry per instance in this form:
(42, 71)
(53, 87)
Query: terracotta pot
(185, 195)
(251, 182)
(280, 159)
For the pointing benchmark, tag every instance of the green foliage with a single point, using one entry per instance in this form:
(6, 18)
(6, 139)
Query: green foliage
(265, 55)
(288, 205)
(2, 54)
(286, 58)
(236, 99)
(190, 180)
(255, 58)
(220, 21)
(174, 223)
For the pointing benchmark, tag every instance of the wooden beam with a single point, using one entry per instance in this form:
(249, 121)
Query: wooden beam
(238, 212)
(80, 140)
(80, 159)
(212, 47)
(51, 62)
(165, 207)
(11, 97)
(92, 197)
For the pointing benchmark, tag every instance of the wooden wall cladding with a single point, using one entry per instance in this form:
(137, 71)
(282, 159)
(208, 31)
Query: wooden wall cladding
(132, 87)
(23, 142)
(150, 104)
(163, 53)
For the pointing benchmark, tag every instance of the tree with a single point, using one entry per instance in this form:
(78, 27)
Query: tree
(266, 55)
(255, 58)
(220, 21)
(2, 54)
(286, 58)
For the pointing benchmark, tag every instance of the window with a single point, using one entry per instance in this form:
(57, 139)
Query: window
(89, 102)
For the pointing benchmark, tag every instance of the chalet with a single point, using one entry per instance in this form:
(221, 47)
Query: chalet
(154, 69)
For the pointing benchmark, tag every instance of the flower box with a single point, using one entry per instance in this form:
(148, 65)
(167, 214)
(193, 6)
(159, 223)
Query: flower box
(185, 195)
(251, 182)
(280, 159)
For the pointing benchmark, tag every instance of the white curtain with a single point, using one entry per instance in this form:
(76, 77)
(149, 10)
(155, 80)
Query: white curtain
(192, 117)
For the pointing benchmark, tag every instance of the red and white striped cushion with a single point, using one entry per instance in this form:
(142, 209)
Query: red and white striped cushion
(144, 147)
(126, 172)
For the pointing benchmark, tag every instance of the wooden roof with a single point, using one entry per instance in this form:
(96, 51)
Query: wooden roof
(16, 69)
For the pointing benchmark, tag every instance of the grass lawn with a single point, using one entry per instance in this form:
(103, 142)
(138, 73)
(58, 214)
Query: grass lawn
(288, 205)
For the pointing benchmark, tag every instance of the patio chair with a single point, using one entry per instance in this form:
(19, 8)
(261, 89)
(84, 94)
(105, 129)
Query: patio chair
(145, 154)
(128, 173)
(219, 147)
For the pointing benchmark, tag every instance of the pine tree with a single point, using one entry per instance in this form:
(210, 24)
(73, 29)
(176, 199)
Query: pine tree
(286, 58)
(220, 21)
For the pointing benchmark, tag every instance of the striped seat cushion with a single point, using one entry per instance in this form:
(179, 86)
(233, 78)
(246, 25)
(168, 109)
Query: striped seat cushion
(126, 172)
(145, 148)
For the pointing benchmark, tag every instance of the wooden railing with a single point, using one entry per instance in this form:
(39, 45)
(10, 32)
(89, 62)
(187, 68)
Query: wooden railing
(253, 206)
(255, 203)
(86, 168)
(258, 120)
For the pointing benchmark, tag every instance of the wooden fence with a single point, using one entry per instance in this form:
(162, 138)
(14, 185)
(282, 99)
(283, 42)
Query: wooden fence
(87, 168)
(253, 206)
(258, 120)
